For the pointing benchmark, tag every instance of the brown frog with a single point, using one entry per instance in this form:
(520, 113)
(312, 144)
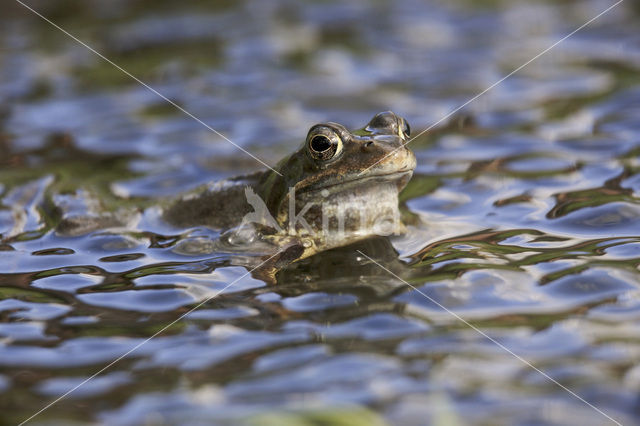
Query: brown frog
(339, 187)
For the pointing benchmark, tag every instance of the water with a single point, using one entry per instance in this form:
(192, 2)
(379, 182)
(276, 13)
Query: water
(523, 214)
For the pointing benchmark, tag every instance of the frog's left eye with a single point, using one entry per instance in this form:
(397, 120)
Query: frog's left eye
(405, 129)
(324, 144)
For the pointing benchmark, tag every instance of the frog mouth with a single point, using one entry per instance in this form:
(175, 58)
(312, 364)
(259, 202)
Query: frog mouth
(401, 178)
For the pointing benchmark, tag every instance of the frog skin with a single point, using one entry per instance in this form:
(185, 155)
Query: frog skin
(339, 187)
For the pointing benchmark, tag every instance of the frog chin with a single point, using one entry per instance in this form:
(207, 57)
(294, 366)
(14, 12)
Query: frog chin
(347, 213)
(400, 178)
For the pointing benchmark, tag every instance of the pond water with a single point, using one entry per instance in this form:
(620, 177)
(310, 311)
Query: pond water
(523, 215)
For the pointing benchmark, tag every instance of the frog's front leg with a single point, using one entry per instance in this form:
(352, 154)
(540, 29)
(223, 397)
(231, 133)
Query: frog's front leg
(269, 267)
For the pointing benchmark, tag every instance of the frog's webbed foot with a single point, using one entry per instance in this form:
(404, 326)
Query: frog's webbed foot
(261, 252)
(270, 266)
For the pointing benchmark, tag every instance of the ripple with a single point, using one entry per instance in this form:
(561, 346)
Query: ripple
(223, 314)
(285, 358)
(66, 282)
(31, 331)
(224, 343)
(541, 165)
(147, 300)
(33, 311)
(373, 327)
(620, 218)
(95, 387)
(318, 301)
(594, 284)
(53, 251)
(122, 257)
(73, 353)
(339, 370)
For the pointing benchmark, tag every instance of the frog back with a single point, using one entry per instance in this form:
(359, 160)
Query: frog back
(220, 205)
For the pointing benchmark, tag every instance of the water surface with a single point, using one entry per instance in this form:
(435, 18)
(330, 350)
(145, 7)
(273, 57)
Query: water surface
(523, 214)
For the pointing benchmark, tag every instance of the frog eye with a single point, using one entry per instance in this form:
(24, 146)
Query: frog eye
(324, 145)
(405, 129)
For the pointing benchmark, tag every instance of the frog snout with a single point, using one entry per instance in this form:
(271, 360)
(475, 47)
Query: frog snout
(385, 142)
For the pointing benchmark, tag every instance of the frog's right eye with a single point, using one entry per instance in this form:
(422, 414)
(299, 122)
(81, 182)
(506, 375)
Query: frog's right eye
(323, 144)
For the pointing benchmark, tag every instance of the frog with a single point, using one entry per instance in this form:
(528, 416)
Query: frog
(339, 187)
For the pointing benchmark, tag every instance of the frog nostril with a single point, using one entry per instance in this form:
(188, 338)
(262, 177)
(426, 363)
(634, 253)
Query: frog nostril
(368, 144)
